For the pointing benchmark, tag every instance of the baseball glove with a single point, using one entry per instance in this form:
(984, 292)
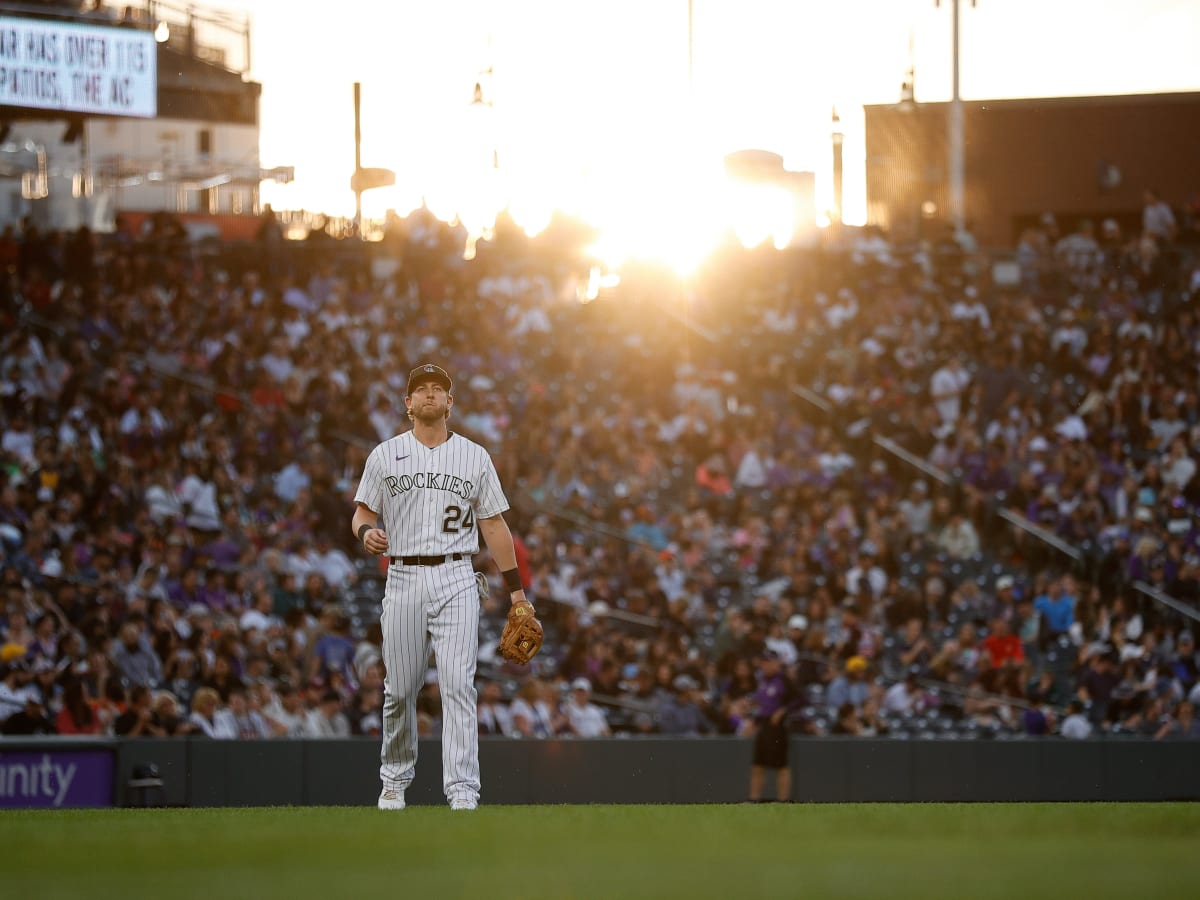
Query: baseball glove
(522, 637)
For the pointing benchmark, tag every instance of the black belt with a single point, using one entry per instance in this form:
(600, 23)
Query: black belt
(427, 560)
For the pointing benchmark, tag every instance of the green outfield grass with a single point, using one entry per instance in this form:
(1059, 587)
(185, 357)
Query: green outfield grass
(872, 850)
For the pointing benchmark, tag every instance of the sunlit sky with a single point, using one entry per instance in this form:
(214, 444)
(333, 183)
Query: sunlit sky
(589, 95)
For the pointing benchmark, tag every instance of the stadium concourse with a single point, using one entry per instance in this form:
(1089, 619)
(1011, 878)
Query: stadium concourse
(953, 492)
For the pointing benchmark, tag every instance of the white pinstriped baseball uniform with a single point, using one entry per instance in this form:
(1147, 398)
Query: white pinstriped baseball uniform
(429, 501)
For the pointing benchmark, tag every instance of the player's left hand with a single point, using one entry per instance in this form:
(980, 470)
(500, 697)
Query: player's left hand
(522, 637)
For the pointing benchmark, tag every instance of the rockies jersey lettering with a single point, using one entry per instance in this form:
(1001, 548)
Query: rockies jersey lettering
(453, 484)
(430, 498)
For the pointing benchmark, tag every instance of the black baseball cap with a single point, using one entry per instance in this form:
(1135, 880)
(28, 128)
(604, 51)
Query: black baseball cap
(429, 372)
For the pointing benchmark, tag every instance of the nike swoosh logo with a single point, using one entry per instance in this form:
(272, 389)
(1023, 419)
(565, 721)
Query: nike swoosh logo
(406, 456)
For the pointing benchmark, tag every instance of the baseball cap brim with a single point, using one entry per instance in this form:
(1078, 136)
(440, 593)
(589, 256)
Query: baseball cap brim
(428, 372)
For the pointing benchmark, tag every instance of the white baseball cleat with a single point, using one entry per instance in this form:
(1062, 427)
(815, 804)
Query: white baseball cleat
(463, 804)
(391, 799)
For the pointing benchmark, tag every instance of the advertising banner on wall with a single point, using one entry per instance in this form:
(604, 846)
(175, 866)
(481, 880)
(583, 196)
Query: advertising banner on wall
(55, 779)
(90, 69)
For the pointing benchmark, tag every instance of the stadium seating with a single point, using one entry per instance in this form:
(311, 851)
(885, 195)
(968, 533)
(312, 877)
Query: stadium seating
(802, 372)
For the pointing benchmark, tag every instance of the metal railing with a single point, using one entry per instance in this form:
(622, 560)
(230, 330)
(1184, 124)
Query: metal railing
(812, 397)
(913, 460)
(212, 35)
(1158, 596)
(1044, 535)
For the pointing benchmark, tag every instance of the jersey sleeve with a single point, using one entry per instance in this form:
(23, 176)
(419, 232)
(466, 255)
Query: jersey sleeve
(370, 486)
(490, 501)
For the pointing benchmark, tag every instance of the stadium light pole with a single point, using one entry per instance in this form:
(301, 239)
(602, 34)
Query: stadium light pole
(955, 137)
(838, 137)
(691, 57)
(358, 191)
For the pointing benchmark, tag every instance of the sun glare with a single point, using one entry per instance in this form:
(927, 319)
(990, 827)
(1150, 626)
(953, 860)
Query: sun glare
(761, 212)
(673, 215)
(532, 218)
(627, 148)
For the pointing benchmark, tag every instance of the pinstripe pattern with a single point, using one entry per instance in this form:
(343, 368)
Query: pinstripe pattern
(429, 501)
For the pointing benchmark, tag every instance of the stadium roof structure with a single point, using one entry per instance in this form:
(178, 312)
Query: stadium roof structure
(1076, 157)
(193, 175)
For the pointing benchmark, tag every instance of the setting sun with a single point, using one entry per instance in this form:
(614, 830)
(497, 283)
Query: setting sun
(602, 123)
(600, 111)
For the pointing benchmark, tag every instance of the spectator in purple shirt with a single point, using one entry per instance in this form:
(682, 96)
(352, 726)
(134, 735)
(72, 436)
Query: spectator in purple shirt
(334, 651)
(1185, 664)
(1044, 509)
(186, 591)
(1097, 683)
(987, 480)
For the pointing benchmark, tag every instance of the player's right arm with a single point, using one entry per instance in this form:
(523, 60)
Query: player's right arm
(367, 501)
(364, 524)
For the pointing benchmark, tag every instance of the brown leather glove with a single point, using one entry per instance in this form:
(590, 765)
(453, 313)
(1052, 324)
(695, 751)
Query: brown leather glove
(522, 637)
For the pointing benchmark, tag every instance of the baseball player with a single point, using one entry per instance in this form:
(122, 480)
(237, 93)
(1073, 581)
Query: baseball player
(422, 497)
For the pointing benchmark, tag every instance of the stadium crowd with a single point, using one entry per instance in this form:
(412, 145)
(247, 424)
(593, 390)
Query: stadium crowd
(939, 493)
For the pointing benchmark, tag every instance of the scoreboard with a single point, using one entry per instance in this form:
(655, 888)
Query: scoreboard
(78, 68)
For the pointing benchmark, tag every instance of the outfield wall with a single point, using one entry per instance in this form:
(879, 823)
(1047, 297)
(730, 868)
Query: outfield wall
(638, 770)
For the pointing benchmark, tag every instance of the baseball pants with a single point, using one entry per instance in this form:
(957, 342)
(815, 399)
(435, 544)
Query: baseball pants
(426, 606)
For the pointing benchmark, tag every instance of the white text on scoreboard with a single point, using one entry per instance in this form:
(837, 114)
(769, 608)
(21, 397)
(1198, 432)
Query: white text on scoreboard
(78, 68)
